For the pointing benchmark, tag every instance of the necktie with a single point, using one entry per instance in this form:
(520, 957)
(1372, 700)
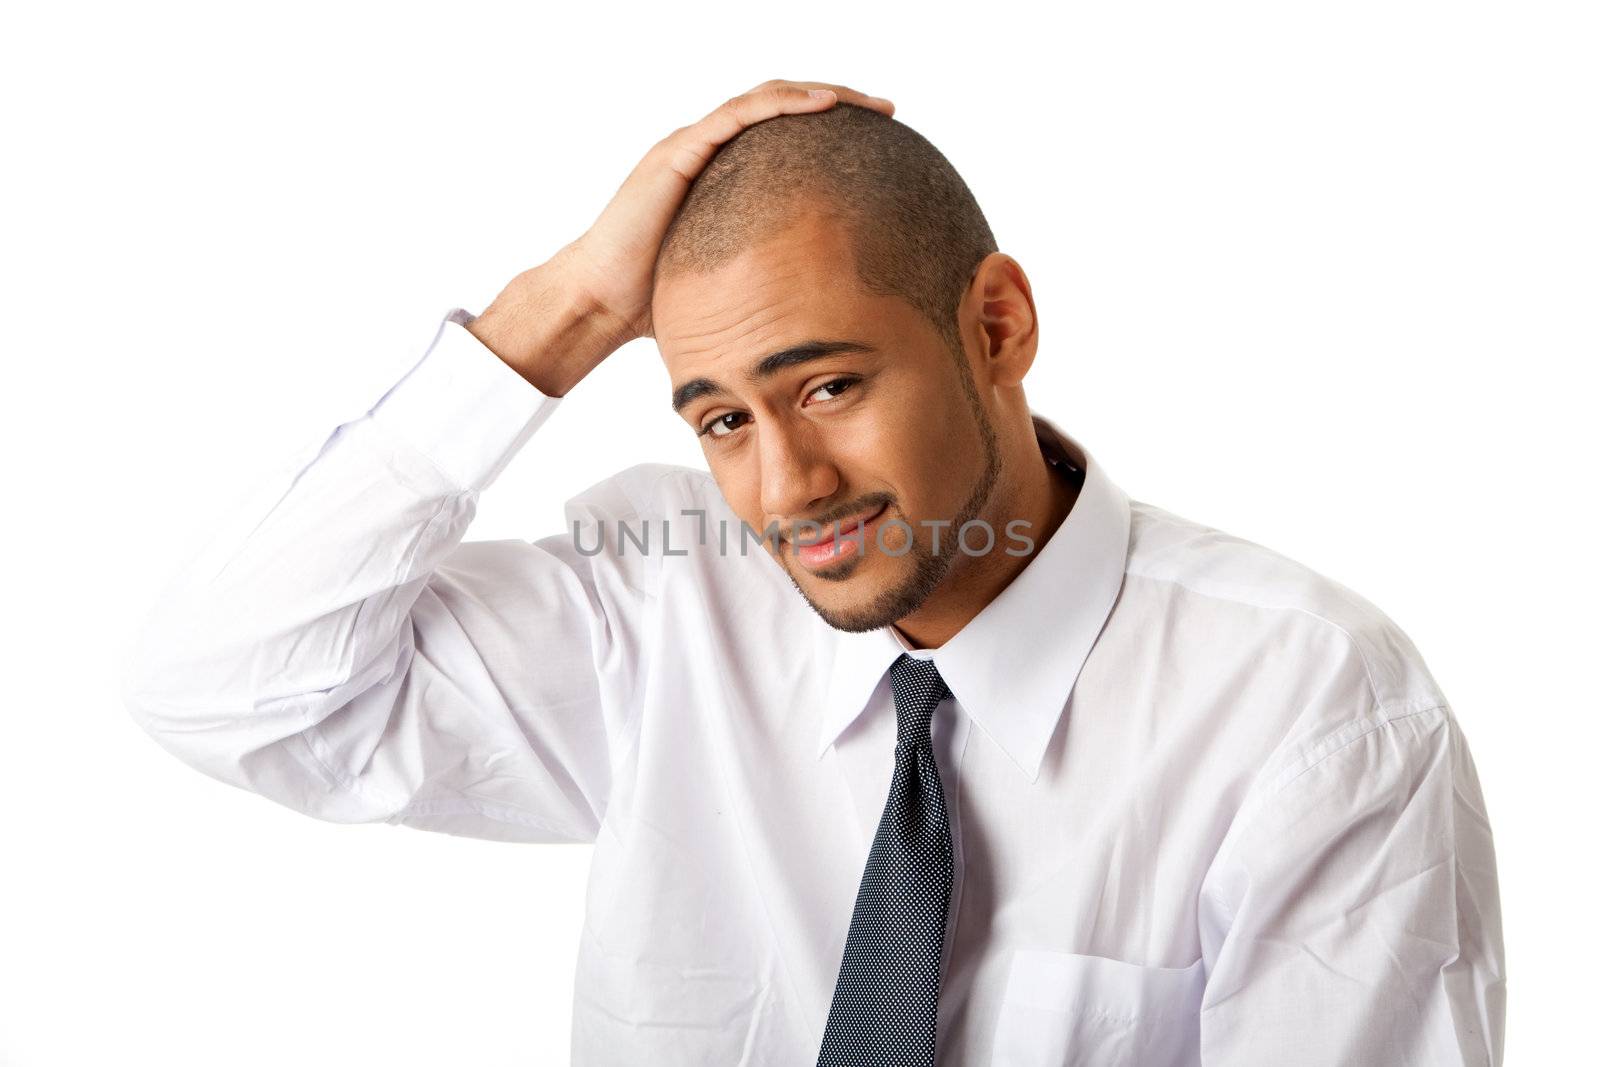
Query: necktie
(886, 1002)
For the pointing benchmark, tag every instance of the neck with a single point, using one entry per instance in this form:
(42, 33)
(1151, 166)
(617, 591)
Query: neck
(1044, 498)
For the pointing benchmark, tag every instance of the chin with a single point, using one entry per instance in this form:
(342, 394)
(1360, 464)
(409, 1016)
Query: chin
(867, 604)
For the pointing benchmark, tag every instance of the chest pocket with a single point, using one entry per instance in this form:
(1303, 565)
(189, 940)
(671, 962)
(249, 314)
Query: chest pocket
(1061, 1009)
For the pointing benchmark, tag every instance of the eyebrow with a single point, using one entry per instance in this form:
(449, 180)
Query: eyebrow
(794, 355)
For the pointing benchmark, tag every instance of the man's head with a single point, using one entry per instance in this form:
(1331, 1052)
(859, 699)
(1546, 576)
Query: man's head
(842, 333)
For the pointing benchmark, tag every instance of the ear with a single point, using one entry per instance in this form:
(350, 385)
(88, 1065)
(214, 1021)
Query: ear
(997, 317)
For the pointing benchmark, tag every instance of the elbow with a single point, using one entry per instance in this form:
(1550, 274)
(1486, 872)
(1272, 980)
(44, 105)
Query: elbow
(179, 717)
(247, 712)
(266, 748)
(140, 686)
(210, 714)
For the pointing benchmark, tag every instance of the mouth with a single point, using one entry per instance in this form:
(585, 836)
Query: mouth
(850, 541)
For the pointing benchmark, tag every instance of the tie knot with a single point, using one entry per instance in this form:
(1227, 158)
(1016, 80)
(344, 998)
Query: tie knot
(917, 691)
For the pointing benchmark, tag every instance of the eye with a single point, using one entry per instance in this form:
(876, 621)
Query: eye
(833, 388)
(720, 426)
(711, 428)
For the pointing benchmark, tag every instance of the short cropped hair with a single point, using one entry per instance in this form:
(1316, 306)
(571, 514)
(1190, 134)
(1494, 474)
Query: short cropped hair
(915, 228)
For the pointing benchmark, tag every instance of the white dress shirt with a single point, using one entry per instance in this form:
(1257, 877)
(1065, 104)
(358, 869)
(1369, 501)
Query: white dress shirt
(1208, 806)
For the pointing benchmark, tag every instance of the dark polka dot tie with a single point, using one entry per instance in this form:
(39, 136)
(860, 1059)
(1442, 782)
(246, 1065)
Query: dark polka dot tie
(886, 1003)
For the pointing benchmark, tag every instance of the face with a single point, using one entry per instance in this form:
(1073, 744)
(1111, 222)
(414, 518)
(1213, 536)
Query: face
(836, 419)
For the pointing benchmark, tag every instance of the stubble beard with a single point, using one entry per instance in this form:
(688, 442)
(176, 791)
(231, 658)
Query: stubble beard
(928, 569)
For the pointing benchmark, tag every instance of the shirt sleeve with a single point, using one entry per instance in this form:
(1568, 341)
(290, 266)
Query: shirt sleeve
(337, 648)
(1355, 920)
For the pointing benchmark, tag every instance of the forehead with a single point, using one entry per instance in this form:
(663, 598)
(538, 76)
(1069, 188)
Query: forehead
(798, 283)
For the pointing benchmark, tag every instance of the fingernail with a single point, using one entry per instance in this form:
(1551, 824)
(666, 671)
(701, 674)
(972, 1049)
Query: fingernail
(821, 94)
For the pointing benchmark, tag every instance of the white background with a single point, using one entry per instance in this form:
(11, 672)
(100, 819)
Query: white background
(1321, 275)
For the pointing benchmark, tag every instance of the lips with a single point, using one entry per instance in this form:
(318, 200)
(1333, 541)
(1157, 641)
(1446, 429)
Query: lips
(826, 536)
(829, 547)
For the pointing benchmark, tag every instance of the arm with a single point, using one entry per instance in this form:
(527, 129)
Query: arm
(339, 650)
(1355, 919)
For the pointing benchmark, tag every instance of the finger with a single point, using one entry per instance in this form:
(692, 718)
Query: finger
(742, 112)
(851, 96)
(785, 98)
(687, 150)
(843, 93)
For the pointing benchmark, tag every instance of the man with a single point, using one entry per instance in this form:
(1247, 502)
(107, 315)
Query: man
(1026, 773)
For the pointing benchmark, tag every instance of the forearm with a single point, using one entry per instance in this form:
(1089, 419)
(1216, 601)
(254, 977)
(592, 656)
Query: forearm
(300, 602)
(547, 328)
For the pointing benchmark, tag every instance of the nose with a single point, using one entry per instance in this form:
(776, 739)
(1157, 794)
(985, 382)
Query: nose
(796, 473)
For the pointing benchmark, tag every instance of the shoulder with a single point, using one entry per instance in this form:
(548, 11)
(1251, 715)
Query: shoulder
(653, 491)
(1355, 727)
(673, 523)
(1270, 597)
(1327, 677)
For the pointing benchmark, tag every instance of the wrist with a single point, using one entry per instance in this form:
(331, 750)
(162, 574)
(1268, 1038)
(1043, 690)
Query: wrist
(547, 328)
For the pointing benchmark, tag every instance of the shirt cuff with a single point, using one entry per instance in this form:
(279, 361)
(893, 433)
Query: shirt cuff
(463, 406)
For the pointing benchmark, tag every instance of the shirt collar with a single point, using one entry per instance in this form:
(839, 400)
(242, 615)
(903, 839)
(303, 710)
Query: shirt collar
(1013, 665)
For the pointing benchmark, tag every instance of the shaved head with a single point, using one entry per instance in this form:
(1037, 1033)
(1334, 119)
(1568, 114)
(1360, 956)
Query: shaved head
(915, 230)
